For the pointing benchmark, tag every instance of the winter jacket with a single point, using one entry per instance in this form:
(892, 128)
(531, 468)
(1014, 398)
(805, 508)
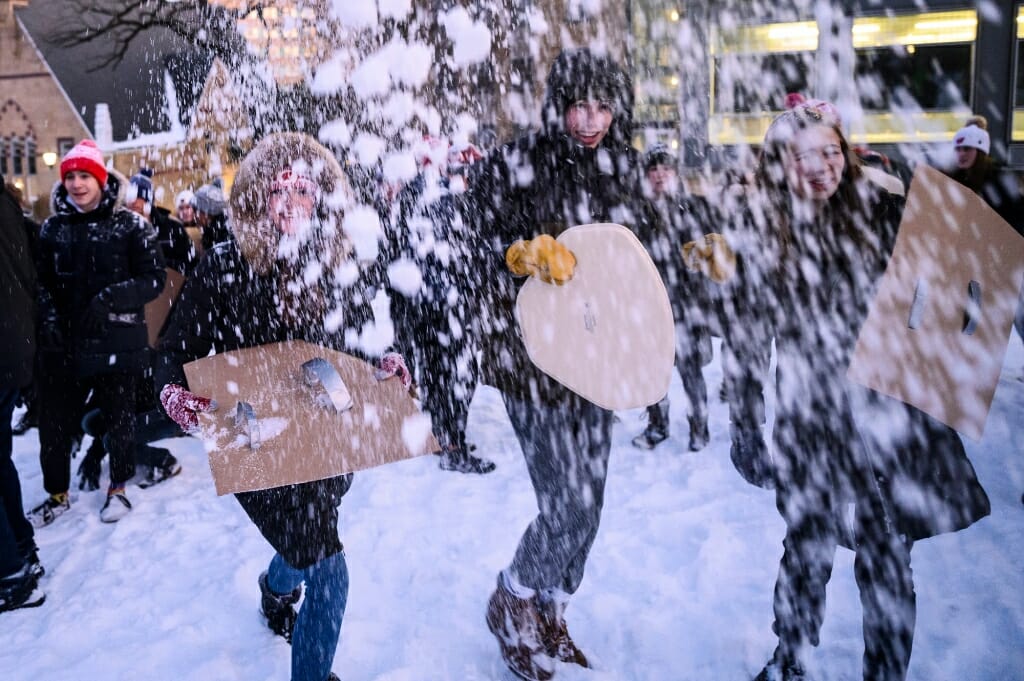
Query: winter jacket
(236, 299)
(545, 183)
(110, 251)
(217, 231)
(669, 223)
(1001, 190)
(836, 442)
(175, 244)
(17, 293)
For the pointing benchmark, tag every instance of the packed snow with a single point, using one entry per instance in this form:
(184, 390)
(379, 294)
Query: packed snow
(678, 586)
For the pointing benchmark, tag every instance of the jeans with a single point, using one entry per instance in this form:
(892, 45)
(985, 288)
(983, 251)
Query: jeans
(566, 449)
(16, 534)
(318, 626)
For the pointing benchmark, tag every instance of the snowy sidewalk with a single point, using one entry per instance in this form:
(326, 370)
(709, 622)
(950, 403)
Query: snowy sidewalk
(678, 586)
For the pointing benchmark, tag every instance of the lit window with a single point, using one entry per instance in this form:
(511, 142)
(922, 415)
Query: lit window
(1018, 93)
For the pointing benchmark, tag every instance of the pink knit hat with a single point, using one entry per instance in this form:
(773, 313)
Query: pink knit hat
(87, 157)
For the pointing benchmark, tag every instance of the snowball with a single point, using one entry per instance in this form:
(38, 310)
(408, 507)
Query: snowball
(405, 277)
(368, 148)
(355, 14)
(362, 224)
(399, 167)
(471, 39)
(415, 431)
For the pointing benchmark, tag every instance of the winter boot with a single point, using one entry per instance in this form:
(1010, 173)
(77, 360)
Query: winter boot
(459, 460)
(557, 641)
(699, 435)
(657, 427)
(48, 511)
(167, 467)
(30, 552)
(20, 590)
(116, 506)
(782, 667)
(279, 609)
(750, 456)
(28, 420)
(518, 625)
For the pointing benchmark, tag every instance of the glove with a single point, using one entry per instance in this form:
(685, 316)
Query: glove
(393, 364)
(184, 407)
(95, 320)
(541, 257)
(711, 256)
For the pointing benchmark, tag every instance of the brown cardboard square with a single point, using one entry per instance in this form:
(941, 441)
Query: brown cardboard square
(607, 334)
(955, 276)
(301, 440)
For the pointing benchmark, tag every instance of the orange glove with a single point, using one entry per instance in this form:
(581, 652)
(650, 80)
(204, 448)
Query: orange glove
(711, 256)
(542, 257)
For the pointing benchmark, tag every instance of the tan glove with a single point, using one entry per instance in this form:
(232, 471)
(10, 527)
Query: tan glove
(711, 256)
(542, 257)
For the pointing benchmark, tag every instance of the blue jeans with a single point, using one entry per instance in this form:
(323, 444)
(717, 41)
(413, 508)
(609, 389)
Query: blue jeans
(16, 533)
(315, 638)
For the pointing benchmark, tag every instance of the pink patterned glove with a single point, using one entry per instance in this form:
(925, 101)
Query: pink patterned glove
(393, 364)
(183, 406)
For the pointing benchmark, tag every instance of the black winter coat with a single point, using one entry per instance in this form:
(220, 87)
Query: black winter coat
(1001, 190)
(178, 250)
(226, 306)
(541, 184)
(836, 442)
(108, 250)
(17, 293)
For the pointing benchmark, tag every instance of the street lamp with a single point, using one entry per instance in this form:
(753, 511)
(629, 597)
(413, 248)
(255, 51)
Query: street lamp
(50, 158)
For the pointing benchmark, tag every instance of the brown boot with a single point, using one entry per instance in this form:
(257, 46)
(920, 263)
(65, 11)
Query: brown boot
(557, 641)
(517, 624)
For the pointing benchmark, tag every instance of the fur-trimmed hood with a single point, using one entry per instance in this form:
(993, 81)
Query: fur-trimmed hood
(113, 195)
(257, 236)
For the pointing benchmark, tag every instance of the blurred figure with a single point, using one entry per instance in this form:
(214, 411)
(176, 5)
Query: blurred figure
(672, 218)
(99, 265)
(428, 303)
(20, 568)
(183, 209)
(209, 205)
(178, 251)
(853, 467)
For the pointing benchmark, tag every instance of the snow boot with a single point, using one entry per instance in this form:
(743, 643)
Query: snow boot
(517, 624)
(116, 506)
(751, 458)
(166, 468)
(52, 508)
(20, 590)
(459, 460)
(30, 552)
(699, 435)
(27, 422)
(279, 609)
(557, 641)
(782, 667)
(656, 431)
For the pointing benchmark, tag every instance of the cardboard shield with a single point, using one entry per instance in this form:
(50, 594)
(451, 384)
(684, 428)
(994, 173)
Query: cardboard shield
(295, 412)
(159, 309)
(938, 328)
(608, 333)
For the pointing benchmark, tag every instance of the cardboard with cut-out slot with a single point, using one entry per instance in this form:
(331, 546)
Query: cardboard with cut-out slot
(159, 309)
(938, 327)
(293, 432)
(607, 334)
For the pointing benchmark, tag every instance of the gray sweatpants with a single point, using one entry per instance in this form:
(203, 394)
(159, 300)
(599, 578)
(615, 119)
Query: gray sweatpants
(566, 449)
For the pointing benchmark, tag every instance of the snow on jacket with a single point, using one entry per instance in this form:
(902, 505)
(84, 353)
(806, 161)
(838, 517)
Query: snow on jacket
(108, 250)
(175, 244)
(236, 298)
(836, 442)
(1001, 190)
(17, 294)
(545, 183)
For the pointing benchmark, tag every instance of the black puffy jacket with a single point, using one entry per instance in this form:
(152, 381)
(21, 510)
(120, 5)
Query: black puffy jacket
(109, 250)
(17, 294)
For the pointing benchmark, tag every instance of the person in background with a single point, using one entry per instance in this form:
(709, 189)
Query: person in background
(99, 265)
(853, 467)
(20, 568)
(209, 205)
(179, 253)
(673, 218)
(183, 209)
(426, 233)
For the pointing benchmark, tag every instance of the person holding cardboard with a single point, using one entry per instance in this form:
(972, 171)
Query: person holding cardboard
(579, 169)
(852, 466)
(286, 208)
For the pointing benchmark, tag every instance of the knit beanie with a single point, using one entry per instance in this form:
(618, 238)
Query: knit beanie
(209, 199)
(658, 155)
(87, 157)
(140, 186)
(972, 136)
(184, 196)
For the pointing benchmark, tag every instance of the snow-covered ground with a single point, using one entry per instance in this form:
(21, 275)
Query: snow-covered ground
(678, 585)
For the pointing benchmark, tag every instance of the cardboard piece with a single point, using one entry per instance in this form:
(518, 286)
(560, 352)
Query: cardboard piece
(938, 328)
(608, 333)
(159, 309)
(299, 435)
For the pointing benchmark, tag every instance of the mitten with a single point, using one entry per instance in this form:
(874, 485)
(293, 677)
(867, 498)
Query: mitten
(95, 320)
(393, 364)
(183, 407)
(543, 257)
(712, 256)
